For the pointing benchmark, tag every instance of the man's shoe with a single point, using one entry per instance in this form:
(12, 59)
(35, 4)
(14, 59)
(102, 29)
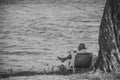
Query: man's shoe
(61, 59)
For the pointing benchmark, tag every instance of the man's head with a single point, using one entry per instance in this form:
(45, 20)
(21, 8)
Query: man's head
(81, 46)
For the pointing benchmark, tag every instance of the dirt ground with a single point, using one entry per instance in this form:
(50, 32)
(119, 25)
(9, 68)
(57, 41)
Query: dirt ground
(32, 35)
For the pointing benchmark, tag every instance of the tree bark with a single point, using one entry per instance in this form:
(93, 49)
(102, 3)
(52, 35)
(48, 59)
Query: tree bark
(109, 38)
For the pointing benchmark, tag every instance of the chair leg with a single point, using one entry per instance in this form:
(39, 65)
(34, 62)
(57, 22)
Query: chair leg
(73, 69)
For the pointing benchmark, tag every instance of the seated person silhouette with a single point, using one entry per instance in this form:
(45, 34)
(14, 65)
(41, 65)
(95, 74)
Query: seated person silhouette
(72, 57)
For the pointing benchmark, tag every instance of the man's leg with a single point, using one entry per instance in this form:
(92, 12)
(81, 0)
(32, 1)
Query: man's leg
(65, 58)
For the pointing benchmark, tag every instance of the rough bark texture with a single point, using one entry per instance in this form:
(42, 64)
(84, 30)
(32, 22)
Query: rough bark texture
(109, 38)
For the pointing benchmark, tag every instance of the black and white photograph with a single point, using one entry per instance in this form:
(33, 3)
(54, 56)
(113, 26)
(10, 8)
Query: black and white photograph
(59, 39)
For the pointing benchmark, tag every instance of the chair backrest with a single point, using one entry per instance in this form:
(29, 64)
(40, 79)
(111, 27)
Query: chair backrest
(83, 60)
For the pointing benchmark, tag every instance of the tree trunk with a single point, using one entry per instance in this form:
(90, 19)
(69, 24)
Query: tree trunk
(109, 38)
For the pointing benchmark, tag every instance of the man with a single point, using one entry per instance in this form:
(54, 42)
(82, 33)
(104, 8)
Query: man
(71, 56)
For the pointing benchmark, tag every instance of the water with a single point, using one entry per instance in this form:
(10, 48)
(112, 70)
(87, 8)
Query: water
(32, 35)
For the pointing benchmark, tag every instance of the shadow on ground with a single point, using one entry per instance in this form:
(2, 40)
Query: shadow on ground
(62, 71)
